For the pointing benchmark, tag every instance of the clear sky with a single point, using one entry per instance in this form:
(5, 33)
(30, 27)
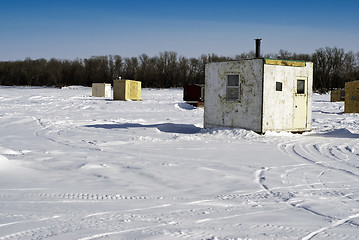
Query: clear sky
(83, 28)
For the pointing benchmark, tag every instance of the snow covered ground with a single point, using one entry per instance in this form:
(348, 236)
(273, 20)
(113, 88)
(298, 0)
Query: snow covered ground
(77, 167)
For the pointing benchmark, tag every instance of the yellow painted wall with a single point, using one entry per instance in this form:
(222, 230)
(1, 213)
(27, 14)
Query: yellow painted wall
(336, 95)
(126, 90)
(351, 97)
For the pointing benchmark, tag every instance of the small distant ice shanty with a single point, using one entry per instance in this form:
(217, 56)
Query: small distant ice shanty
(337, 95)
(126, 90)
(351, 97)
(259, 94)
(101, 90)
(194, 94)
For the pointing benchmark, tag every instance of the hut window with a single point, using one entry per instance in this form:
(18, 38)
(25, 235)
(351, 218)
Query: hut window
(232, 87)
(300, 86)
(278, 86)
(342, 93)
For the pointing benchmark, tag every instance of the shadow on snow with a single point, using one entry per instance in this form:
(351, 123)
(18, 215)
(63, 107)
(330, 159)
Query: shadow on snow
(185, 106)
(163, 127)
(338, 133)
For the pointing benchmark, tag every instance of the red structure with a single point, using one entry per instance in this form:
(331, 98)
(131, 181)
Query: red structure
(194, 94)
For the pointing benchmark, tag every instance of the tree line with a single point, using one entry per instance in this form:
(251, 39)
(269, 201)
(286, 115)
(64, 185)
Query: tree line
(332, 68)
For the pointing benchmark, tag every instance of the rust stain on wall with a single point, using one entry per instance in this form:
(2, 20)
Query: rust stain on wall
(284, 62)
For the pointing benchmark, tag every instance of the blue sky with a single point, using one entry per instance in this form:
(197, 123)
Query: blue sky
(81, 29)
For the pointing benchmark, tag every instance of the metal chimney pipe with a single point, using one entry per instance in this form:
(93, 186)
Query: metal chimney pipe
(258, 47)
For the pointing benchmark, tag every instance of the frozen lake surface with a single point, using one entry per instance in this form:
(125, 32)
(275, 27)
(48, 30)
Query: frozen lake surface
(77, 167)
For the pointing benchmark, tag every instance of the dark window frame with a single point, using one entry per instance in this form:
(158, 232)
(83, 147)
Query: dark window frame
(300, 86)
(233, 84)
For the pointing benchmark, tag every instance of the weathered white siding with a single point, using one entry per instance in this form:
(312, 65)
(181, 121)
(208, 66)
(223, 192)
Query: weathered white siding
(244, 113)
(260, 107)
(101, 90)
(278, 106)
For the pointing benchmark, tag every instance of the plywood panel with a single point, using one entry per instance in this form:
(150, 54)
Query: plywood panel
(351, 97)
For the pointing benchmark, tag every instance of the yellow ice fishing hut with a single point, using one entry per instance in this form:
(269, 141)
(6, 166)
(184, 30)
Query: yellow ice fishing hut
(351, 97)
(124, 89)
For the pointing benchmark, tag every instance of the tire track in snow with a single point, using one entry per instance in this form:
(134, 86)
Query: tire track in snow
(18, 222)
(75, 197)
(69, 226)
(107, 234)
(181, 216)
(335, 224)
(314, 156)
(260, 176)
(326, 153)
(332, 156)
(48, 133)
(102, 221)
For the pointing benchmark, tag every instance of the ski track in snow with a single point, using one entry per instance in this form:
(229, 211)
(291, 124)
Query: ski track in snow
(186, 184)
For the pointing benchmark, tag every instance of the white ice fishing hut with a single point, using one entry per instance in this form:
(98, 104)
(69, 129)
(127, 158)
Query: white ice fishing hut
(259, 94)
(101, 90)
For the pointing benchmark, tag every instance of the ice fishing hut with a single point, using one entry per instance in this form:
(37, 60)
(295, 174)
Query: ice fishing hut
(126, 90)
(101, 90)
(337, 95)
(259, 94)
(194, 94)
(351, 97)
